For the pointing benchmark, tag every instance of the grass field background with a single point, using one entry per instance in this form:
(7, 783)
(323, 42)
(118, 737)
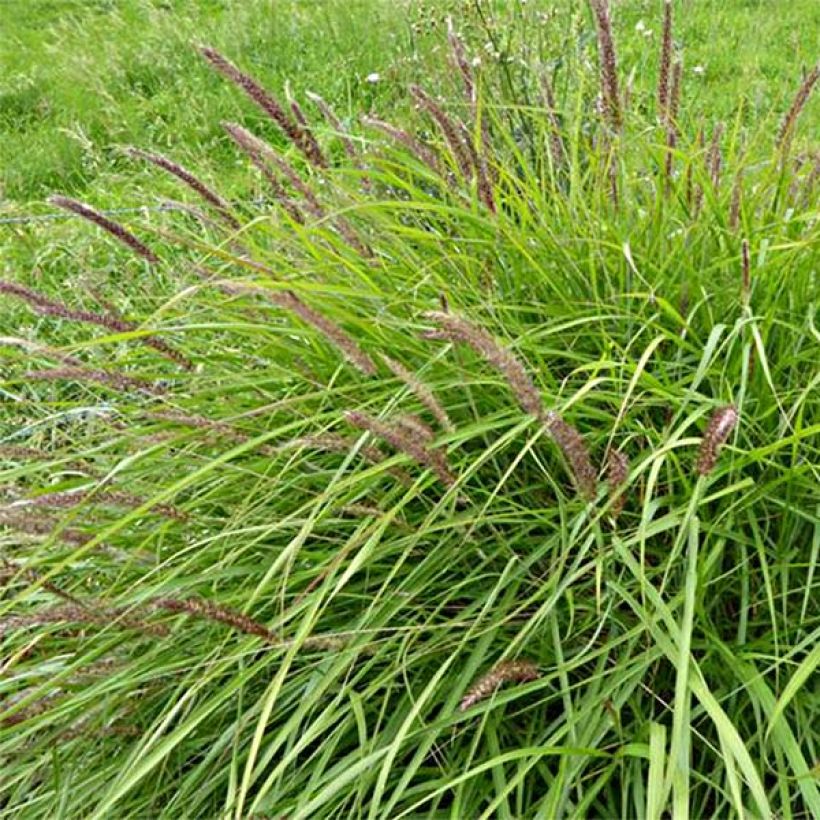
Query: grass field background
(470, 472)
(80, 79)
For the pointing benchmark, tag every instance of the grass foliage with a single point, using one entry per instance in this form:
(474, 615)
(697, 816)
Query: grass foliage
(472, 475)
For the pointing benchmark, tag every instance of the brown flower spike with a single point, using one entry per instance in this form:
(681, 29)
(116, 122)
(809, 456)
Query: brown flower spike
(721, 424)
(507, 671)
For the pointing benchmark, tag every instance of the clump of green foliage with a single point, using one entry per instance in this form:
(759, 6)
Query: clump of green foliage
(472, 472)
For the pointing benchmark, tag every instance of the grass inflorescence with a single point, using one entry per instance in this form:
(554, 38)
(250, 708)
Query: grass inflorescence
(463, 474)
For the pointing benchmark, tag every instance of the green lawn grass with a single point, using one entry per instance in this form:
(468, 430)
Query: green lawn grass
(255, 608)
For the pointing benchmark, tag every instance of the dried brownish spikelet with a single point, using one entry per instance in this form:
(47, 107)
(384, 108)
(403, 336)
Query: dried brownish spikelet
(418, 149)
(401, 439)
(455, 328)
(255, 147)
(210, 196)
(329, 329)
(255, 150)
(202, 423)
(449, 128)
(671, 143)
(618, 470)
(557, 150)
(421, 391)
(67, 614)
(416, 426)
(214, 612)
(11, 451)
(71, 498)
(25, 713)
(117, 381)
(737, 198)
(461, 62)
(42, 525)
(695, 195)
(608, 63)
(665, 63)
(505, 672)
(48, 307)
(575, 451)
(465, 68)
(786, 130)
(612, 174)
(10, 569)
(720, 426)
(310, 139)
(675, 91)
(114, 228)
(715, 157)
(269, 104)
(334, 443)
(746, 271)
(672, 123)
(200, 608)
(86, 729)
(481, 168)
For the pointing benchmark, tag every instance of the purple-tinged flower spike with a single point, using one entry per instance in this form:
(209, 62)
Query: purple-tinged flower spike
(418, 149)
(666, 63)
(114, 228)
(575, 451)
(786, 130)
(210, 196)
(608, 64)
(457, 329)
(269, 104)
(720, 426)
(407, 441)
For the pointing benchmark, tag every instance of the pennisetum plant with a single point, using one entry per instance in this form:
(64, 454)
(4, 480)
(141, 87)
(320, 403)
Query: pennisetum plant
(289, 515)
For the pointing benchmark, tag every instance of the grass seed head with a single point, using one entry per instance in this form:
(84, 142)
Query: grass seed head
(718, 429)
(505, 672)
(114, 228)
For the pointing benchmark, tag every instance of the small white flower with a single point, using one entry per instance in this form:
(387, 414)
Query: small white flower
(647, 33)
(640, 26)
(698, 69)
(476, 61)
(374, 77)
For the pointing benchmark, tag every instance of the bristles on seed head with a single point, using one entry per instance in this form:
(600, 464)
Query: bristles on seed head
(575, 451)
(269, 104)
(618, 470)
(506, 672)
(718, 429)
(608, 64)
(114, 228)
(457, 329)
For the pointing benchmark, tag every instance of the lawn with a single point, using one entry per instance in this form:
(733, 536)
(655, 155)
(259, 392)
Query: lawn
(443, 446)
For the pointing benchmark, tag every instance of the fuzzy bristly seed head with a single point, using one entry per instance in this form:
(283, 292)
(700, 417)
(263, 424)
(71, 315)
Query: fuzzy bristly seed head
(608, 64)
(405, 439)
(194, 183)
(269, 104)
(718, 429)
(114, 228)
(505, 672)
(617, 473)
(457, 329)
(575, 451)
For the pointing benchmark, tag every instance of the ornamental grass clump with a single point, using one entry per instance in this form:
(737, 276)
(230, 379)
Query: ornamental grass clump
(272, 510)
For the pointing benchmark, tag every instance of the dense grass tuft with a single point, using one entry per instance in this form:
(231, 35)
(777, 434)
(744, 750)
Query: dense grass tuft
(472, 472)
